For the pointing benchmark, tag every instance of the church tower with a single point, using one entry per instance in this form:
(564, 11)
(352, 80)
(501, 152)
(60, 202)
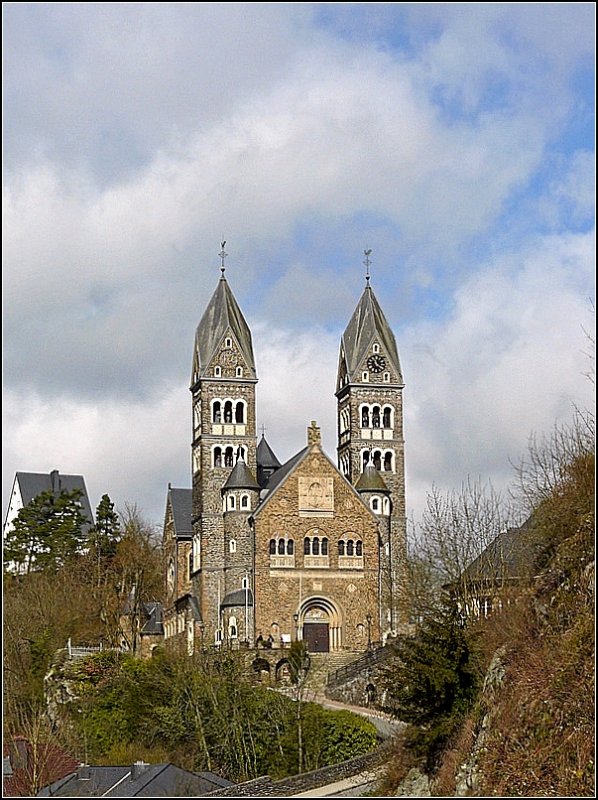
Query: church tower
(223, 384)
(371, 449)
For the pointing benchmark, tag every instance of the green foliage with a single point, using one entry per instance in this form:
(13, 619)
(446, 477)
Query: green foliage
(436, 674)
(105, 534)
(46, 532)
(205, 714)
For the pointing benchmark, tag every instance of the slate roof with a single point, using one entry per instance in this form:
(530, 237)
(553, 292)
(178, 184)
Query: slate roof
(237, 599)
(32, 484)
(368, 323)
(154, 622)
(181, 501)
(222, 315)
(281, 474)
(241, 477)
(151, 780)
(511, 555)
(265, 455)
(371, 480)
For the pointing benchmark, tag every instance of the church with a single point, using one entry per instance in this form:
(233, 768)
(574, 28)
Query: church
(314, 549)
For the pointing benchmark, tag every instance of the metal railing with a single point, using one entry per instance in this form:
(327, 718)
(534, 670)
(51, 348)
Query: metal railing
(353, 669)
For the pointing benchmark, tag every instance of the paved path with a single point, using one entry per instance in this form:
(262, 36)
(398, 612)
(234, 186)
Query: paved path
(386, 725)
(355, 786)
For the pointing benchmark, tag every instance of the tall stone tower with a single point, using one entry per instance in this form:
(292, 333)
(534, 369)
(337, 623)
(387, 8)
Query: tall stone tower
(223, 384)
(371, 449)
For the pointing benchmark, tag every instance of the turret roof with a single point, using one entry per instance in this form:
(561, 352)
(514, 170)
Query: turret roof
(265, 455)
(241, 477)
(370, 480)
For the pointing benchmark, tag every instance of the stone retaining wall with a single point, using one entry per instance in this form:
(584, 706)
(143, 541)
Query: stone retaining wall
(286, 787)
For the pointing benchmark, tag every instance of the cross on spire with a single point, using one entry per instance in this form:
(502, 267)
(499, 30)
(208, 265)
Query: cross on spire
(367, 262)
(222, 255)
(263, 430)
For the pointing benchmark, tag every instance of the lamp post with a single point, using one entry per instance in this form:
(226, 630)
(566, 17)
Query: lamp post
(296, 621)
(369, 622)
(202, 628)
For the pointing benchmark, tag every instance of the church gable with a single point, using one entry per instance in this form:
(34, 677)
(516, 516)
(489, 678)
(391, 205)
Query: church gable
(228, 360)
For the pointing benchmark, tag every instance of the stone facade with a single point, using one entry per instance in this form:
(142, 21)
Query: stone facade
(314, 551)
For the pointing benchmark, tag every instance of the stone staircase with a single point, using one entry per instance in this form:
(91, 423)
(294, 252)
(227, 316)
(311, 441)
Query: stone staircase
(321, 664)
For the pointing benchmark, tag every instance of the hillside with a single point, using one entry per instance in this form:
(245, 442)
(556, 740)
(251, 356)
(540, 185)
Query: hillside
(528, 730)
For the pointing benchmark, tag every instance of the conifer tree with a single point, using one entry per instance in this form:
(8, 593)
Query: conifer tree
(46, 532)
(105, 533)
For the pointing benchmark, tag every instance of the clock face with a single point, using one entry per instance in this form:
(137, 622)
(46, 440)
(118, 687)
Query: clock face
(376, 363)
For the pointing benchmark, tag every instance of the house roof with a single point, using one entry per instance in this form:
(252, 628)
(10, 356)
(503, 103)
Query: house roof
(140, 780)
(32, 484)
(17, 753)
(511, 555)
(181, 501)
(279, 476)
(367, 324)
(221, 317)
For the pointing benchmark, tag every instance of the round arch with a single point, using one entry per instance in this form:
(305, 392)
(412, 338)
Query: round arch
(320, 610)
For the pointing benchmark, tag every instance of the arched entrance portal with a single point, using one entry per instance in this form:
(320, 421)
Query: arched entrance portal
(320, 625)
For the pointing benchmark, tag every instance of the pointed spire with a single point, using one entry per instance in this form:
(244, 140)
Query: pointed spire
(221, 318)
(367, 325)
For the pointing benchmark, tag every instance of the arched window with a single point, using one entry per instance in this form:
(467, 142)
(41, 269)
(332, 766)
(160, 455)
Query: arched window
(228, 457)
(376, 348)
(232, 627)
(315, 546)
(281, 547)
(387, 377)
(272, 547)
(290, 547)
(376, 417)
(217, 456)
(306, 546)
(228, 342)
(245, 501)
(240, 413)
(216, 411)
(365, 458)
(359, 548)
(231, 502)
(386, 417)
(239, 372)
(324, 546)
(365, 417)
(341, 548)
(388, 461)
(375, 504)
(228, 411)
(377, 459)
(190, 564)
(386, 506)
(245, 583)
(217, 372)
(350, 547)
(232, 546)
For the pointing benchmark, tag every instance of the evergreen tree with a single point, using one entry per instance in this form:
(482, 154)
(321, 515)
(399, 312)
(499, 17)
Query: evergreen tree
(436, 673)
(46, 532)
(104, 535)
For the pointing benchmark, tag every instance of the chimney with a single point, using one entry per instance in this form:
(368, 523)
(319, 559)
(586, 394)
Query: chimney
(314, 438)
(137, 768)
(84, 772)
(55, 481)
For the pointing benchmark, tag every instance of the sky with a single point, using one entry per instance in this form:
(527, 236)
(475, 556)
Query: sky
(456, 141)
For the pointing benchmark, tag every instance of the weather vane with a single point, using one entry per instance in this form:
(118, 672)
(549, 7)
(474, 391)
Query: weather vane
(367, 262)
(222, 255)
